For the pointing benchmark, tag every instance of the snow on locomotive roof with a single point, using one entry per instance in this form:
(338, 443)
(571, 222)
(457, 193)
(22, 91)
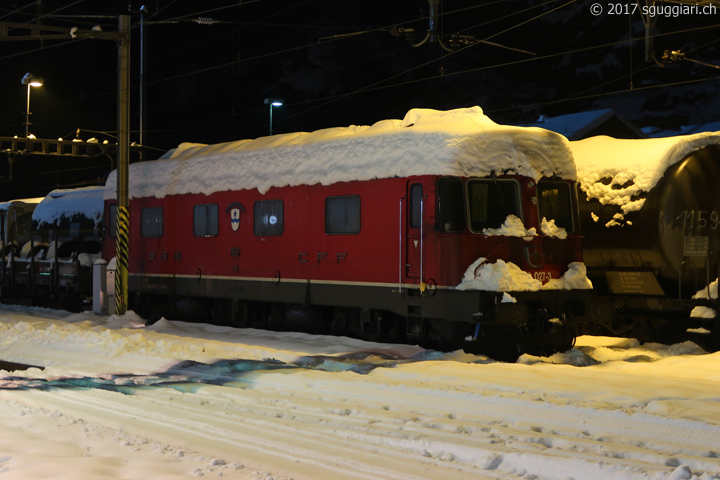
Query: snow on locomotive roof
(642, 161)
(59, 204)
(461, 142)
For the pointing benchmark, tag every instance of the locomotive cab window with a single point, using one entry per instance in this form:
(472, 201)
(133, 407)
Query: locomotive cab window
(112, 221)
(205, 220)
(268, 218)
(450, 205)
(555, 202)
(491, 202)
(152, 222)
(342, 215)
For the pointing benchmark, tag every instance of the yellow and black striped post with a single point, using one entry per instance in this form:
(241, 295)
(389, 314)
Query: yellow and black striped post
(123, 204)
(121, 258)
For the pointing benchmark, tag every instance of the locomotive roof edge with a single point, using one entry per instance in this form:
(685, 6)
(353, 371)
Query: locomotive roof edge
(460, 142)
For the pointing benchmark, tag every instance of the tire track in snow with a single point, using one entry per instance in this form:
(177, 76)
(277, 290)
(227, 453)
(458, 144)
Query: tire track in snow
(332, 423)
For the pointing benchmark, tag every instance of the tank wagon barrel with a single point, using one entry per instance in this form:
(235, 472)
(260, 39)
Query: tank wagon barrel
(651, 218)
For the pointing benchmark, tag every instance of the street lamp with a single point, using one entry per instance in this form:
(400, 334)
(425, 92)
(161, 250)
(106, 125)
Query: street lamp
(273, 102)
(31, 81)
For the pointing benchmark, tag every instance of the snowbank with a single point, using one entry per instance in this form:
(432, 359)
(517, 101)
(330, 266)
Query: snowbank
(182, 401)
(634, 166)
(461, 142)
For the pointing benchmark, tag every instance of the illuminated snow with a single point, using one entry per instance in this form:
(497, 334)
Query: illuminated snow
(461, 142)
(709, 292)
(634, 166)
(504, 276)
(512, 227)
(548, 227)
(120, 400)
(500, 276)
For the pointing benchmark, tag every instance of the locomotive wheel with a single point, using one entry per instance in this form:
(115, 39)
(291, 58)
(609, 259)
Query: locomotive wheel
(560, 338)
(276, 317)
(339, 324)
(503, 343)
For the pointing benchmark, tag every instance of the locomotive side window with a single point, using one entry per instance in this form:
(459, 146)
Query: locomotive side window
(416, 195)
(152, 222)
(450, 205)
(112, 221)
(342, 215)
(205, 220)
(491, 201)
(268, 218)
(554, 203)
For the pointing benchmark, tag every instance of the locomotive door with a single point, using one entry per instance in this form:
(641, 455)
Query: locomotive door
(414, 230)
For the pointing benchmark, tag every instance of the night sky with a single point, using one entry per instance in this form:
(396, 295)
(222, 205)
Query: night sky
(337, 63)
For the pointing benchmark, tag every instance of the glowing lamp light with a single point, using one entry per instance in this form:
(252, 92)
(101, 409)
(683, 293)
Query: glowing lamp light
(273, 102)
(31, 81)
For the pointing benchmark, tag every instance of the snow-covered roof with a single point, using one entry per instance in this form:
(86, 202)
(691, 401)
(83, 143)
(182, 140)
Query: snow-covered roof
(643, 161)
(684, 130)
(70, 203)
(576, 126)
(462, 142)
(5, 206)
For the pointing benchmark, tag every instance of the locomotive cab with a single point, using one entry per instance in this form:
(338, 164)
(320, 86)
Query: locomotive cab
(508, 217)
(507, 220)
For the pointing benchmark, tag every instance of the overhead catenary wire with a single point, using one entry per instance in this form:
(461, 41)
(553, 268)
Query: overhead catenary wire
(378, 84)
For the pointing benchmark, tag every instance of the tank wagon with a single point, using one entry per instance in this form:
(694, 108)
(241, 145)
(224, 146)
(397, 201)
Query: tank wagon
(443, 228)
(53, 267)
(651, 219)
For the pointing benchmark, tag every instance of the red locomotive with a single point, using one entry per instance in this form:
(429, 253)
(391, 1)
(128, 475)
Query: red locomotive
(365, 231)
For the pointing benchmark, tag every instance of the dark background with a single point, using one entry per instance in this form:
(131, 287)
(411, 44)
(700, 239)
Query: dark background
(337, 63)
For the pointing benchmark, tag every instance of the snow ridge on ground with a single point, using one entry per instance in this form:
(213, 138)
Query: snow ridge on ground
(181, 400)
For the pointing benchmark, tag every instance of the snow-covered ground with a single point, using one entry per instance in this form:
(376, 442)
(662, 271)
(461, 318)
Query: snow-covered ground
(176, 400)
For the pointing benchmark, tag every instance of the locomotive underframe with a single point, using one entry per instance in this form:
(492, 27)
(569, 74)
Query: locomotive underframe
(539, 320)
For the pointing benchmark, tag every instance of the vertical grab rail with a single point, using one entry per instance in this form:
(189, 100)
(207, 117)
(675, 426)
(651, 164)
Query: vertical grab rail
(422, 237)
(400, 239)
(680, 270)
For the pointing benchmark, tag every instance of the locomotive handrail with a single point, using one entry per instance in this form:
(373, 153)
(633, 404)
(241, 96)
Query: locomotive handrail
(400, 241)
(422, 223)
